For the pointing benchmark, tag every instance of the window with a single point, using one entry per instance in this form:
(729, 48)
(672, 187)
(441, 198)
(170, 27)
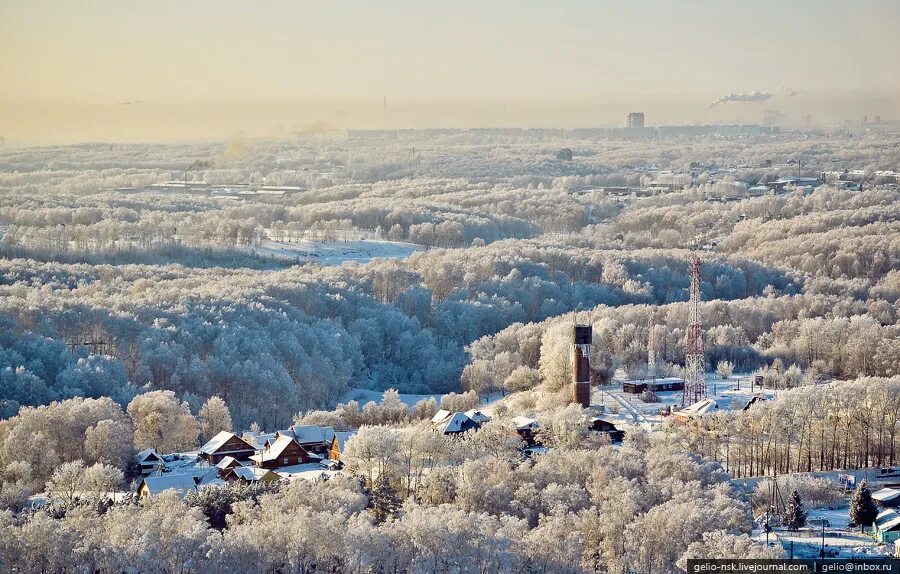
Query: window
(285, 461)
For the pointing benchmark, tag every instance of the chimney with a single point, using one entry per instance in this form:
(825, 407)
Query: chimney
(581, 367)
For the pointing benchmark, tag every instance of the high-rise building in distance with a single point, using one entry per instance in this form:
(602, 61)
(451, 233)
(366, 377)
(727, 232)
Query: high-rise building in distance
(636, 120)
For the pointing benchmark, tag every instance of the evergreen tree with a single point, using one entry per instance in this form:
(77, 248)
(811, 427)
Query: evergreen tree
(384, 501)
(795, 515)
(862, 508)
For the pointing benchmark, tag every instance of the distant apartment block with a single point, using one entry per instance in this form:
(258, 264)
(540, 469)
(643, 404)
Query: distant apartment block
(636, 120)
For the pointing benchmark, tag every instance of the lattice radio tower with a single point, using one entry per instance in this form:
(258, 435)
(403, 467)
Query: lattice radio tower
(694, 386)
(651, 348)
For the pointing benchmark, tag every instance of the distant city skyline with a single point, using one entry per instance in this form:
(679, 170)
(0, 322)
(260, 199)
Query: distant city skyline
(129, 71)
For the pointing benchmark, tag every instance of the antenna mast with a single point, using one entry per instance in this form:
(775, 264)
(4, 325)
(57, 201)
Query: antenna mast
(651, 347)
(694, 386)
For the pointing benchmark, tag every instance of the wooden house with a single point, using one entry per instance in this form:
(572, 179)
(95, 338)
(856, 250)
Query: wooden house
(886, 528)
(457, 424)
(527, 429)
(285, 451)
(149, 460)
(337, 444)
(313, 438)
(226, 444)
(601, 426)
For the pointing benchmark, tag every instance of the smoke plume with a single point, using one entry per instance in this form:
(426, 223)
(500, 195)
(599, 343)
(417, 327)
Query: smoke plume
(755, 96)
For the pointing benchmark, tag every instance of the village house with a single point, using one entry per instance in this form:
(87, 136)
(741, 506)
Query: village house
(149, 460)
(601, 426)
(455, 425)
(314, 439)
(226, 444)
(285, 451)
(338, 443)
(527, 429)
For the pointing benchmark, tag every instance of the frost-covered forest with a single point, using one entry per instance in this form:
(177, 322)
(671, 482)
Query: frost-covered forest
(168, 287)
(131, 309)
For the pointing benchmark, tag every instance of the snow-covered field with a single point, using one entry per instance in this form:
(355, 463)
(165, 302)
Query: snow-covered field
(333, 252)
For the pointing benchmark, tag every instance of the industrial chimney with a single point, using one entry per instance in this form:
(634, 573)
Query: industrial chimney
(581, 365)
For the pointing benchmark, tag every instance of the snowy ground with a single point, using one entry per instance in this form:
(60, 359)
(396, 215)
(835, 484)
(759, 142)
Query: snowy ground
(630, 410)
(840, 541)
(333, 252)
(308, 471)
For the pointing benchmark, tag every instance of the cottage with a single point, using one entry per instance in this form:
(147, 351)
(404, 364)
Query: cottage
(249, 474)
(285, 451)
(886, 528)
(181, 482)
(456, 425)
(887, 497)
(338, 443)
(149, 460)
(527, 429)
(601, 426)
(226, 444)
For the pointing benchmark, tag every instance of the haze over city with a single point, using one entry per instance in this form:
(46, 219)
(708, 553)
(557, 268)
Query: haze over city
(125, 71)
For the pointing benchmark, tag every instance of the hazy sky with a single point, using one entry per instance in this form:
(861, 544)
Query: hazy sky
(229, 66)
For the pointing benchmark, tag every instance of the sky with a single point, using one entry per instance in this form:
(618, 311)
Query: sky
(191, 69)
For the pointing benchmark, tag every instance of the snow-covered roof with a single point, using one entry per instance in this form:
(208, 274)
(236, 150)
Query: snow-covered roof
(275, 450)
(440, 416)
(216, 442)
(327, 434)
(259, 440)
(148, 455)
(308, 434)
(250, 473)
(886, 495)
(478, 416)
(524, 423)
(699, 408)
(181, 482)
(342, 437)
(887, 520)
(456, 423)
(227, 462)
